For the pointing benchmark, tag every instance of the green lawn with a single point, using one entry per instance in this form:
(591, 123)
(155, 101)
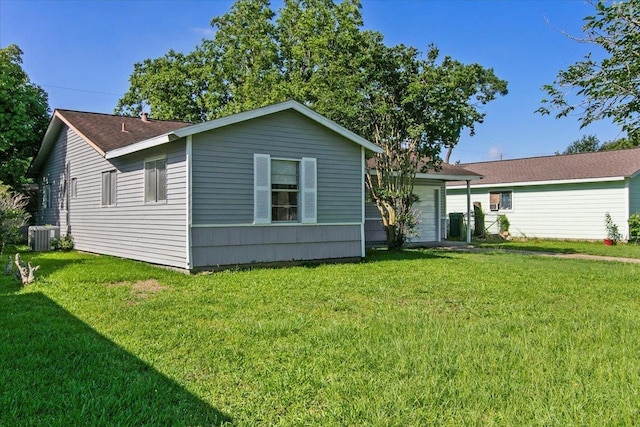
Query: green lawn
(564, 246)
(421, 338)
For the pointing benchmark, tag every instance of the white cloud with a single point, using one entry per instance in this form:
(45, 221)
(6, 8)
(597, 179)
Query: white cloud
(206, 32)
(495, 153)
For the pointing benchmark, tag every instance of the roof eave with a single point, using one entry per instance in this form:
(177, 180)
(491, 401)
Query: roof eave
(447, 177)
(539, 183)
(142, 145)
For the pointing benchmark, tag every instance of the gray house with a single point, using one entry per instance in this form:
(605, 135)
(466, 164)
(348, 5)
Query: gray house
(279, 183)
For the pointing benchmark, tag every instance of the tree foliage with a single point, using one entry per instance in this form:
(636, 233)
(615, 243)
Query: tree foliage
(316, 52)
(608, 88)
(586, 144)
(12, 215)
(416, 106)
(24, 116)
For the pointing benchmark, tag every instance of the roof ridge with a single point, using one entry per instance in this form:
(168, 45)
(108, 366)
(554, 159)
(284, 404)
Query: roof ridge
(548, 156)
(62, 110)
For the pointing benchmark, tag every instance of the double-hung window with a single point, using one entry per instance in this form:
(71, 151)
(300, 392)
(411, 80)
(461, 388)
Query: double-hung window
(109, 185)
(500, 200)
(155, 180)
(284, 190)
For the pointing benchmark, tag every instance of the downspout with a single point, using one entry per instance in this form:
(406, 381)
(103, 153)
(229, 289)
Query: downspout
(468, 212)
(67, 183)
(189, 204)
(363, 171)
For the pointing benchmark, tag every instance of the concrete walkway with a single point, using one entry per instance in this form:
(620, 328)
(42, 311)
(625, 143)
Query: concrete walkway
(463, 247)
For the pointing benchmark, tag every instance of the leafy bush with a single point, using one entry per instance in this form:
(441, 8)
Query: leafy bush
(504, 223)
(12, 215)
(634, 227)
(612, 228)
(64, 243)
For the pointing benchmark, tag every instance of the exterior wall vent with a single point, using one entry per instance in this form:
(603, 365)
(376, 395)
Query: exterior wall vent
(40, 237)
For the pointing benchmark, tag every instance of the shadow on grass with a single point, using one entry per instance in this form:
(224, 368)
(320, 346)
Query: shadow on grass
(56, 370)
(377, 255)
(49, 262)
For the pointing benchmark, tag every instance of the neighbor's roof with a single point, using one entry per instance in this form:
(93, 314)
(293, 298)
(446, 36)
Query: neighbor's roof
(598, 166)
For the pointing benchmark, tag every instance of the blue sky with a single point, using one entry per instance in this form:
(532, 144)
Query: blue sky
(82, 53)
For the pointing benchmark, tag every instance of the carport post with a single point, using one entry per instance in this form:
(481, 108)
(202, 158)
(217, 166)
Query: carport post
(468, 212)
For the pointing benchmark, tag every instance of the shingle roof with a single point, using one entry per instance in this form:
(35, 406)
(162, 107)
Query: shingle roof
(446, 171)
(601, 164)
(105, 130)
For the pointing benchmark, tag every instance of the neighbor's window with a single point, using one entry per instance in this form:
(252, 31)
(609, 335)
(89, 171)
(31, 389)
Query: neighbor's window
(155, 181)
(109, 188)
(500, 200)
(284, 190)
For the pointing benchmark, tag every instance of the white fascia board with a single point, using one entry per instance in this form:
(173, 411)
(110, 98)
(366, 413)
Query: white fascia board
(445, 177)
(142, 145)
(538, 183)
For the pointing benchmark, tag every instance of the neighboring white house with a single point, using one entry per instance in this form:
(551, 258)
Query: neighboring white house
(559, 197)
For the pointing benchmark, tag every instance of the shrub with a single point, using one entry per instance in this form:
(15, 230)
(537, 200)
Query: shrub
(64, 243)
(634, 227)
(503, 221)
(12, 215)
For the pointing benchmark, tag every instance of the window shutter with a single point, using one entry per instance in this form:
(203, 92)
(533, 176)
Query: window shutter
(161, 177)
(309, 191)
(149, 182)
(261, 188)
(113, 188)
(106, 184)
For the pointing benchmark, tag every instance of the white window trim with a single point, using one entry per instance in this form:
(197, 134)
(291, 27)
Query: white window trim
(115, 193)
(500, 209)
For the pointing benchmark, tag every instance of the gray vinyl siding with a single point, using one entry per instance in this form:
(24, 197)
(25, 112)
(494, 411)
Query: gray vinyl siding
(233, 245)
(153, 233)
(223, 168)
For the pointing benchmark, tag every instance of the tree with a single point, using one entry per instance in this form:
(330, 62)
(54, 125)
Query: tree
(12, 216)
(317, 53)
(586, 144)
(413, 108)
(621, 143)
(609, 88)
(24, 116)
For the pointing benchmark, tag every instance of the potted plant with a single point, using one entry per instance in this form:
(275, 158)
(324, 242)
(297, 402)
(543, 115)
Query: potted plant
(613, 235)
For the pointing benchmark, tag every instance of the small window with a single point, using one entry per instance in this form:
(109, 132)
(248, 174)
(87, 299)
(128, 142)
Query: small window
(109, 188)
(155, 181)
(74, 188)
(46, 194)
(284, 190)
(500, 200)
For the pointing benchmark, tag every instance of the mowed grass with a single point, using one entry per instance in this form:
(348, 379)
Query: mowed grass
(419, 338)
(625, 250)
